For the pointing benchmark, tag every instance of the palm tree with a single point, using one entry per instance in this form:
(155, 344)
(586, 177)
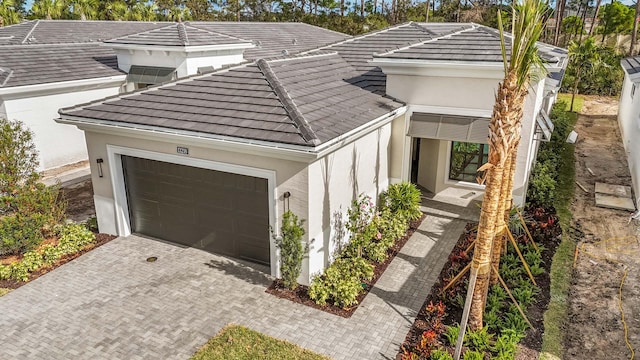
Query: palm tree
(9, 15)
(48, 9)
(86, 9)
(504, 134)
(581, 56)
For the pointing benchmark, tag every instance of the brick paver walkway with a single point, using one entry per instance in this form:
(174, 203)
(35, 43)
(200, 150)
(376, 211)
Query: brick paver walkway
(112, 304)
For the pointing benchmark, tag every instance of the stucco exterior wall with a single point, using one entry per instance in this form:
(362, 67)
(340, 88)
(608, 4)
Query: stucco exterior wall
(185, 64)
(57, 144)
(397, 148)
(290, 176)
(629, 122)
(334, 181)
(472, 95)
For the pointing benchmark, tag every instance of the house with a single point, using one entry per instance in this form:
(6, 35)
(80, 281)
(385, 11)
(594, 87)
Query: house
(46, 65)
(629, 119)
(213, 160)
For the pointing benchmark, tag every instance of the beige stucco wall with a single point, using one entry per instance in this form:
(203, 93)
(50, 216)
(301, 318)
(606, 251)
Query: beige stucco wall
(475, 94)
(397, 148)
(629, 122)
(290, 175)
(334, 181)
(57, 144)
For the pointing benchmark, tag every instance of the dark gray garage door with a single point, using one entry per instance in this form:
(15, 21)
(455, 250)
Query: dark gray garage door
(211, 210)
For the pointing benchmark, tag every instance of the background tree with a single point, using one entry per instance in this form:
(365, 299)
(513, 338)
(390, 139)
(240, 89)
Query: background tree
(582, 55)
(9, 12)
(48, 9)
(615, 18)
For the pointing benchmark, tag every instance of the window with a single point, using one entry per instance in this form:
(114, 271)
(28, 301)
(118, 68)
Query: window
(466, 158)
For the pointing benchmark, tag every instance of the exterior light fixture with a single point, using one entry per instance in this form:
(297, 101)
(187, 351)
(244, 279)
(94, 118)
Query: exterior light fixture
(100, 161)
(286, 197)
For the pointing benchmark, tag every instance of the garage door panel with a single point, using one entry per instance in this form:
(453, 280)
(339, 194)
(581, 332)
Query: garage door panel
(212, 210)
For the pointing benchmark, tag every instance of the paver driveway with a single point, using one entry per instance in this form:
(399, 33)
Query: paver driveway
(112, 304)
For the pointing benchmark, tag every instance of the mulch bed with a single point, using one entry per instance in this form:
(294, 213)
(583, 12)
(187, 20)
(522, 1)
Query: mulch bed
(101, 239)
(300, 294)
(548, 237)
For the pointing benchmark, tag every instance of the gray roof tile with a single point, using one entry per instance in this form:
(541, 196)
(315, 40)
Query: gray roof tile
(631, 65)
(177, 34)
(29, 65)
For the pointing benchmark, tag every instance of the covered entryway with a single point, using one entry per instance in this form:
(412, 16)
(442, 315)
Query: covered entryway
(216, 211)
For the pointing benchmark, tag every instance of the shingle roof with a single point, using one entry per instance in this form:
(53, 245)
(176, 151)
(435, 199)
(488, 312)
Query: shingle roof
(28, 65)
(303, 101)
(178, 34)
(631, 65)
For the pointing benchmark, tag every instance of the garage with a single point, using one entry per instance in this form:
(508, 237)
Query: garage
(216, 211)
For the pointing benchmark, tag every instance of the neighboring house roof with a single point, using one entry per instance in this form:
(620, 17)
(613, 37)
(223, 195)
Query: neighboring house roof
(29, 65)
(303, 100)
(631, 65)
(33, 40)
(71, 31)
(178, 34)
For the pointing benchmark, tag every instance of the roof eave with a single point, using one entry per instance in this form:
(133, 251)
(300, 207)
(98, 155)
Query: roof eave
(180, 48)
(60, 85)
(439, 68)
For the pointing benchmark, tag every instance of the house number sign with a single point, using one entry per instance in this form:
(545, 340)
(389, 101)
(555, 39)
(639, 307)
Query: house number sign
(182, 150)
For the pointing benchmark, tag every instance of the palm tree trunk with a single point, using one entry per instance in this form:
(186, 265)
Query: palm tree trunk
(426, 8)
(504, 128)
(595, 17)
(481, 264)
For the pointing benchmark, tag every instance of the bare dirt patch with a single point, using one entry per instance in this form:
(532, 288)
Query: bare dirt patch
(608, 244)
(79, 199)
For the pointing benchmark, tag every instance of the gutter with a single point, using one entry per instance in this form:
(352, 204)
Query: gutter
(56, 86)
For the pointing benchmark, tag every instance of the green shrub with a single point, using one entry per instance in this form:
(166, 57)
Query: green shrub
(403, 199)
(291, 249)
(341, 282)
(479, 339)
(439, 354)
(20, 233)
(72, 238)
(473, 355)
(452, 333)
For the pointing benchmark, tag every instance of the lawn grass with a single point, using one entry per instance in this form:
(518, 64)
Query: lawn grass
(240, 343)
(561, 266)
(4, 291)
(577, 103)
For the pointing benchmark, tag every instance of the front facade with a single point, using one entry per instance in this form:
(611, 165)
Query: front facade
(629, 120)
(214, 160)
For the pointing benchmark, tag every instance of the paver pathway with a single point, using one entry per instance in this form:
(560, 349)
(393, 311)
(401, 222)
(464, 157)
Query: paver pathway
(112, 304)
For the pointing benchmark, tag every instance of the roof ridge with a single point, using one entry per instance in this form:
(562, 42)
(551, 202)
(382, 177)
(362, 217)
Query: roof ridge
(26, 37)
(114, 40)
(195, 26)
(290, 107)
(182, 33)
(436, 38)
(6, 80)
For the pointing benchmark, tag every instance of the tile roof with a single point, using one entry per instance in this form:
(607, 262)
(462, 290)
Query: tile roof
(476, 43)
(36, 37)
(272, 39)
(360, 50)
(29, 65)
(631, 65)
(177, 34)
(71, 31)
(303, 100)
